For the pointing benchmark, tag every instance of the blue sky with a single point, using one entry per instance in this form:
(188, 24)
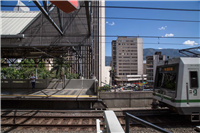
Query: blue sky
(147, 27)
(151, 28)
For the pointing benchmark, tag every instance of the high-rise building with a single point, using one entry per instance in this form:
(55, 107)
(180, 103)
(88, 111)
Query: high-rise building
(127, 59)
(151, 63)
(99, 41)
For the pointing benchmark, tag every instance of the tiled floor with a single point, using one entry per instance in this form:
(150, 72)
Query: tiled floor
(43, 92)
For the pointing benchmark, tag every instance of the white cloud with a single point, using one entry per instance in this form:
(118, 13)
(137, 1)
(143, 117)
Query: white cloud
(113, 23)
(159, 48)
(162, 28)
(191, 43)
(169, 35)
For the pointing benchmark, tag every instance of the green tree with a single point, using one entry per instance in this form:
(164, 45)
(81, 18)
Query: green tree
(60, 66)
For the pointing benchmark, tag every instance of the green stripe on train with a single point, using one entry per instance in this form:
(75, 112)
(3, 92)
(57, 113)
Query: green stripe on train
(180, 101)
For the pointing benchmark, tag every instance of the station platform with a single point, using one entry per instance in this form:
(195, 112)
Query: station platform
(47, 94)
(73, 94)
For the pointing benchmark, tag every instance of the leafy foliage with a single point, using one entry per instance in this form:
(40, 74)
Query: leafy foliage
(61, 67)
(24, 69)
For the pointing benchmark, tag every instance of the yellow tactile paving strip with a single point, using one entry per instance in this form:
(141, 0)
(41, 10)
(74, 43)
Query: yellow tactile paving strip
(64, 96)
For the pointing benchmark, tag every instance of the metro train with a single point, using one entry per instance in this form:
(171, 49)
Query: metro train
(177, 86)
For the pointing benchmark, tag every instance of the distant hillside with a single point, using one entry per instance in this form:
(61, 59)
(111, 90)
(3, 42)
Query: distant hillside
(172, 53)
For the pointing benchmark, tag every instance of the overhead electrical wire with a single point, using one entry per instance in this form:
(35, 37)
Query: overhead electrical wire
(120, 7)
(120, 18)
(138, 36)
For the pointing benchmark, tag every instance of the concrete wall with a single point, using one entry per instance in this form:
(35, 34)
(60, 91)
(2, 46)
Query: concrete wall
(126, 99)
(107, 75)
(140, 55)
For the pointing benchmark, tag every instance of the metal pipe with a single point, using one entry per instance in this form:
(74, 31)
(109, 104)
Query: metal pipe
(127, 124)
(13, 36)
(143, 122)
(187, 93)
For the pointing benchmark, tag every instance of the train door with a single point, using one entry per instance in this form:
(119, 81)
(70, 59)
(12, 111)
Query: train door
(193, 93)
(193, 85)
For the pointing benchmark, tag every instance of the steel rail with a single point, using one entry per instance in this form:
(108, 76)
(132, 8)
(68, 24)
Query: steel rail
(53, 125)
(84, 125)
(82, 117)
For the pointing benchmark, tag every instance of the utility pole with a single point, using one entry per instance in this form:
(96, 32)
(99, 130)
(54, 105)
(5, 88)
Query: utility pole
(142, 82)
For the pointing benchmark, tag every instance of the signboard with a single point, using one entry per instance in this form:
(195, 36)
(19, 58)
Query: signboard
(66, 6)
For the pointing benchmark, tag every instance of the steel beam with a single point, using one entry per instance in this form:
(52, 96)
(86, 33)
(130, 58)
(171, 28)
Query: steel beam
(88, 17)
(59, 18)
(47, 16)
(45, 5)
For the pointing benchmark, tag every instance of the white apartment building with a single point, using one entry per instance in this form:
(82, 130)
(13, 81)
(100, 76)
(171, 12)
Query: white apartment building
(127, 59)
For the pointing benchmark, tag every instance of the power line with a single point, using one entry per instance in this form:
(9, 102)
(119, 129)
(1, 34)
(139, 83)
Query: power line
(120, 7)
(121, 18)
(151, 8)
(160, 37)
(146, 43)
(139, 36)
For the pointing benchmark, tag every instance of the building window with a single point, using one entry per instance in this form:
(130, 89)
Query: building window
(193, 79)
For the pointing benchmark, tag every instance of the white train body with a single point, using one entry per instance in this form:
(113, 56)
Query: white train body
(177, 85)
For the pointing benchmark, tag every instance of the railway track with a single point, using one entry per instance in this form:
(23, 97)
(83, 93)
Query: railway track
(78, 121)
(83, 122)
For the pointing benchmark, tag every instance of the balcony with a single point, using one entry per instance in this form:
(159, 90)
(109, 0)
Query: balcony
(149, 68)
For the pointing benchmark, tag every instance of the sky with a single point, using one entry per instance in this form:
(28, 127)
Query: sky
(163, 29)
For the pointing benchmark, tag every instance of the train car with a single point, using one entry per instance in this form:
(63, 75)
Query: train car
(177, 86)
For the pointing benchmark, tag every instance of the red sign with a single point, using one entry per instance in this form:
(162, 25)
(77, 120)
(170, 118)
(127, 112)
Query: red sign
(75, 3)
(66, 6)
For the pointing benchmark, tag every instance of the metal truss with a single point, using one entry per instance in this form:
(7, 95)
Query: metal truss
(191, 52)
(55, 34)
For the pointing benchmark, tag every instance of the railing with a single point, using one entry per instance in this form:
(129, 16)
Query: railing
(143, 122)
(111, 123)
(23, 83)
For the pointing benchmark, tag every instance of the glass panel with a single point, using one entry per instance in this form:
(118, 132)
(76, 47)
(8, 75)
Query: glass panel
(193, 79)
(166, 82)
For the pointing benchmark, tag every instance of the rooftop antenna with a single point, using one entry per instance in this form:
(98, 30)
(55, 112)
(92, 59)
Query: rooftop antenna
(21, 7)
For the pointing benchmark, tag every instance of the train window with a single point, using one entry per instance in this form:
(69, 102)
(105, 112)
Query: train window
(193, 79)
(167, 80)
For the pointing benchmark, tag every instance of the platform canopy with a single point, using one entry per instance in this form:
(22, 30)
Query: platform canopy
(49, 30)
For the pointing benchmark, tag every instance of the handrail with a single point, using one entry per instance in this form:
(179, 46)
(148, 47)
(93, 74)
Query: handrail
(98, 126)
(143, 122)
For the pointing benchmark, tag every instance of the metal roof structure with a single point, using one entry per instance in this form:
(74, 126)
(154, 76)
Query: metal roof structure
(52, 33)
(15, 22)
(191, 52)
